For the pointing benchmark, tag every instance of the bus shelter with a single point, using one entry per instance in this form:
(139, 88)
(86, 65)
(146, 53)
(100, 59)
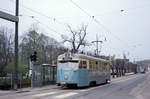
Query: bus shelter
(49, 74)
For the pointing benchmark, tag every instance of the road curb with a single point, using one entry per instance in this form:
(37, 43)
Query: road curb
(122, 77)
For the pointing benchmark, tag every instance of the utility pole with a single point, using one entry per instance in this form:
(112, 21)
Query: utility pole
(15, 80)
(15, 19)
(97, 43)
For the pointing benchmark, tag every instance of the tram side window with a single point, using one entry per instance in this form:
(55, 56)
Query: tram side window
(90, 65)
(102, 66)
(83, 65)
(80, 64)
(93, 65)
(105, 66)
(99, 66)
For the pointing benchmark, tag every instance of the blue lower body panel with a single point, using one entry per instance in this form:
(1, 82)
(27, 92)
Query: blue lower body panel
(67, 76)
(81, 77)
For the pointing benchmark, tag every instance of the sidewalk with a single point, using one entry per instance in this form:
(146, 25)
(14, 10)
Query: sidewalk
(29, 89)
(122, 77)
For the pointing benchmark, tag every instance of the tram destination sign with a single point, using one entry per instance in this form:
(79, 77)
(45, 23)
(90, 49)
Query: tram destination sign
(67, 58)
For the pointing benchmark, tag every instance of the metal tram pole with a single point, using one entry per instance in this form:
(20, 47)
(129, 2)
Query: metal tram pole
(97, 42)
(15, 80)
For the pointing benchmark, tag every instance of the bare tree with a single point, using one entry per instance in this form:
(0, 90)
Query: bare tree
(77, 38)
(112, 65)
(47, 48)
(6, 48)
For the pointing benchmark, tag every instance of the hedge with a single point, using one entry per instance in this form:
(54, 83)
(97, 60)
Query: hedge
(6, 82)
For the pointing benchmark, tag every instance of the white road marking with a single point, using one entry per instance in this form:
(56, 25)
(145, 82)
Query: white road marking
(65, 95)
(44, 94)
(94, 87)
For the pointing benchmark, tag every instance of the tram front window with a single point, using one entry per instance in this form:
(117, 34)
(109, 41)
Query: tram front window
(68, 65)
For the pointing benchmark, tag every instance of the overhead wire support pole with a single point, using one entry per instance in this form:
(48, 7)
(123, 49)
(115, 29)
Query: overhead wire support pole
(97, 42)
(15, 80)
(15, 19)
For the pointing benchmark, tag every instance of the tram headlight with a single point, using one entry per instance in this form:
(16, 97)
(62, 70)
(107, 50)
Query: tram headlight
(66, 77)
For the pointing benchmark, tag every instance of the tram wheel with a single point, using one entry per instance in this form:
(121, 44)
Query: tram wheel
(93, 83)
(106, 82)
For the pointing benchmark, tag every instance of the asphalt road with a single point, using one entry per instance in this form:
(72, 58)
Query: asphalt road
(130, 87)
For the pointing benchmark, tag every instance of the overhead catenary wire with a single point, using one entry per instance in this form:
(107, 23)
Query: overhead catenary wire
(54, 19)
(47, 26)
(115, 36)
(33, 17)
(96, 21)
(80, 8)
(7, 10)
(44, 25)
(33, 10)
(100, 24)
(39, 13)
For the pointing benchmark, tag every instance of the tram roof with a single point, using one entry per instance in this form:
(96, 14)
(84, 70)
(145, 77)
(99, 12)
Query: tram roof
(89, 57)
(83, 56)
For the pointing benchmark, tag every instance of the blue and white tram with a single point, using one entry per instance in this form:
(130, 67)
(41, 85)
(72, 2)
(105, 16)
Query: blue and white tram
(81, 70)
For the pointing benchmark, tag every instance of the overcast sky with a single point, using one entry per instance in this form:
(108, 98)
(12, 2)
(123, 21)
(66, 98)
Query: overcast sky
(124, 23)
